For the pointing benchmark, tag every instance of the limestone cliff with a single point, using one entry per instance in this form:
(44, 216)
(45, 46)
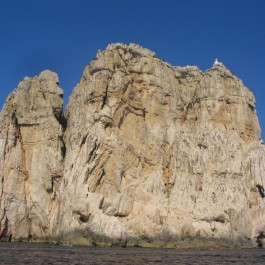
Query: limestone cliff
(31, 156)
(151, 155)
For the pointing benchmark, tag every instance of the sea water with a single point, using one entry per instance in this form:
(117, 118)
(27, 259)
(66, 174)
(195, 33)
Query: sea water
(39, 253)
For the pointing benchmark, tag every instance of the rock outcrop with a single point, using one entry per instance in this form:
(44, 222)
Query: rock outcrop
(31, 156)
(151, 155)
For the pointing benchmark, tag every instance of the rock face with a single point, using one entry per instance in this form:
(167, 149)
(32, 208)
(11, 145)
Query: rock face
(152, 155)
(31, 156)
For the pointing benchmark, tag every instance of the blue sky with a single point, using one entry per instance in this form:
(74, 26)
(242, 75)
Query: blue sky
(64, 36)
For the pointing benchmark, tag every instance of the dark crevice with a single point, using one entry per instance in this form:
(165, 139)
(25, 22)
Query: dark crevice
(101, 203)
(105, 98)
(93, 71)
(260, 239)
(124, 115)
(135, 54)
(220, 219)
(261, 190)
(43, 94)
(63, 147)
(251, 107)
(108, 124)
(27, 124)
(4, 234)
(82, 217)
(84, 140)
(93, 152)
(18, 133)
(93, 98)
(62, 120)
(121, 214)
(14, 119)
(137, 108)
(54, 180)
(102, 174)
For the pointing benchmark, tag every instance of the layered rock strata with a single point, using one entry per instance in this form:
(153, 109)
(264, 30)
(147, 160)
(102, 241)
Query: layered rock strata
(152, 155)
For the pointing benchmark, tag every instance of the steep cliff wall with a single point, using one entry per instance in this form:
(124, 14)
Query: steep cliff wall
(155, 155)
(31, 156)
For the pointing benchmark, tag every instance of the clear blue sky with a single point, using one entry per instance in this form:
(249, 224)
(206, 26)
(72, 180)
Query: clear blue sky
(64, 35)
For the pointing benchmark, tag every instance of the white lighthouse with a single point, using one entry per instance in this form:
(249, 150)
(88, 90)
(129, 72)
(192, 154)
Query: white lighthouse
(216, 62)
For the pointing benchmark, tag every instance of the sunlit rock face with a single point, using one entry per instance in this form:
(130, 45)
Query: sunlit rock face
(31, 156)
(152, 155)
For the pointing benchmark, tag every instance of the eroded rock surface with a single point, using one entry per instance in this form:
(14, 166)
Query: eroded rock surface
(31, 156)
(155, 155)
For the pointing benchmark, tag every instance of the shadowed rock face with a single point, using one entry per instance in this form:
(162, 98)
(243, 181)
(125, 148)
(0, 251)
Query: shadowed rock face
(155, 155)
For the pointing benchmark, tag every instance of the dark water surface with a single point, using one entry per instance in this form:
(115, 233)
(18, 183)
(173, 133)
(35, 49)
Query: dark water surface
(38, 253)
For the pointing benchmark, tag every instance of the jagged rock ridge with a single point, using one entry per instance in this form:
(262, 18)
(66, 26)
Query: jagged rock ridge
(146, 154)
